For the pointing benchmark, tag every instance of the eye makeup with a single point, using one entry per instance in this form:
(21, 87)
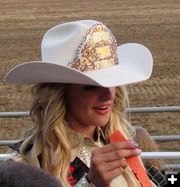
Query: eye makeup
(89, 87)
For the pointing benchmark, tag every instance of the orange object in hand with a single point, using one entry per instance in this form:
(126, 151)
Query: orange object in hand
(134, 162)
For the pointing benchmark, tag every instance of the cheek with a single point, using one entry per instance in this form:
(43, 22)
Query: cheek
(76, 105)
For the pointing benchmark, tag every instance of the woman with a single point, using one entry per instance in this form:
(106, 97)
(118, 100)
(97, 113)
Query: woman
(79, 101)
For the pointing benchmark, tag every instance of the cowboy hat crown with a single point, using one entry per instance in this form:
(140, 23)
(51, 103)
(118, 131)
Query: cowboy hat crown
(85, 52)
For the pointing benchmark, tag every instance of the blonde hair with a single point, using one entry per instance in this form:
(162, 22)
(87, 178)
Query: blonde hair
(50, 149)
(147, 144)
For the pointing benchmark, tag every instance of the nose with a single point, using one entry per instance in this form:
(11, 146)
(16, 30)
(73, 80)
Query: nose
(107, 93)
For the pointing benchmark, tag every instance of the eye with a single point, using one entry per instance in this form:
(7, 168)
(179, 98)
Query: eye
(89, 87)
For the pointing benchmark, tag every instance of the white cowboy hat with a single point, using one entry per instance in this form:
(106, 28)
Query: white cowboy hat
(84, 52)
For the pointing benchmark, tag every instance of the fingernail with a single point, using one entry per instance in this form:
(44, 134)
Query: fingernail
(135, 144)
(139, 151)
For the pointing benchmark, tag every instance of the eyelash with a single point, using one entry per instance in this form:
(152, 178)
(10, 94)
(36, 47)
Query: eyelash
(89, 87)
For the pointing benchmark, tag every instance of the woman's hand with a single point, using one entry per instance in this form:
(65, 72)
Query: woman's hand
(109, 161)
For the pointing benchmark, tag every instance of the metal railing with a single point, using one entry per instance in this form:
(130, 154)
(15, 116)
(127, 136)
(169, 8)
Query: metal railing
(166, 137)
(155, 109)
(14, 114)
(160, 155)
(8, 142)
(135, 109)
(156, 138)
(171, 166)
(144, 155)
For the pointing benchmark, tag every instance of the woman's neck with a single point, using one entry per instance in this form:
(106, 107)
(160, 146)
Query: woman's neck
(88, 131)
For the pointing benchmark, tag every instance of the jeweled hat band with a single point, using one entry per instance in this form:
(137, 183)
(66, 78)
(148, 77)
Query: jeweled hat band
(98, 50)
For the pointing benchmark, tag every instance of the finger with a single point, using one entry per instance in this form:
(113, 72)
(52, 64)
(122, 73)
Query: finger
(118, 154)
(121, 163)
(117, 146)
(114, 173)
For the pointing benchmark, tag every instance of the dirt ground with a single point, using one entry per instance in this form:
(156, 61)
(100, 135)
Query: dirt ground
(154, 23)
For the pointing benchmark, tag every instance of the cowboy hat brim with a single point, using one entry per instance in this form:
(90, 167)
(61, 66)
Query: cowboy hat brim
(135, 65)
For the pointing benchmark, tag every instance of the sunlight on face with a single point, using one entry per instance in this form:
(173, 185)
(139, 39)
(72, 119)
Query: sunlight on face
(88, 106)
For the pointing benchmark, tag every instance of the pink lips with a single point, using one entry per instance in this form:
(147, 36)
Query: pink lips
(103, 109)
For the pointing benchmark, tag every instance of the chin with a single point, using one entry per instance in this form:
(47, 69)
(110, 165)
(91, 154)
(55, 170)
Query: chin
(102, 123)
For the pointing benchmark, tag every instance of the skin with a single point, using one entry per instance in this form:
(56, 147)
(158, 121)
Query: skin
(87, 108)
(109, 161)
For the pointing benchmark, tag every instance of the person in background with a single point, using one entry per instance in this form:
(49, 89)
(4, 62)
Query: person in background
(79, 100)
(153, 166)
(16, 174)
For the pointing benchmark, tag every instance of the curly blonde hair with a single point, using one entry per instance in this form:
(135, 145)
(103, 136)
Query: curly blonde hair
(50, 149)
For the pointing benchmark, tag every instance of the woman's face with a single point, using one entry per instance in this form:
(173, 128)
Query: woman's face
(88, 106)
